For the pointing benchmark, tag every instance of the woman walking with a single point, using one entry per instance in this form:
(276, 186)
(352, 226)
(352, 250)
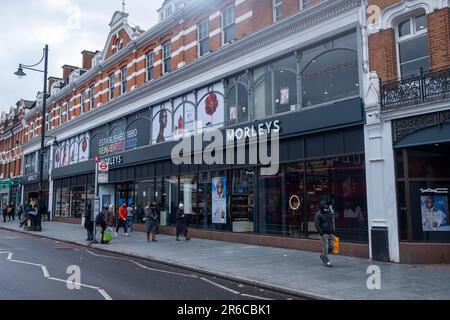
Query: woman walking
(151, 221)
(181, 224)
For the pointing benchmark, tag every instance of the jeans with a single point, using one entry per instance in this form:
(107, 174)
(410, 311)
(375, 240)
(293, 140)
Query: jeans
(122, 223)
(130, 222)
(326, 244)
(90, 234)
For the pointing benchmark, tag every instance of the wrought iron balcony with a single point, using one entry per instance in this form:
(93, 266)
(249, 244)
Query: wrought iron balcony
(425, 87)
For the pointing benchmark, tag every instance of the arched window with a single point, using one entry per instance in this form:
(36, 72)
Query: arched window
(162, 123)
(184, 116)
(412, 44)
(275, 88)
(237, 100)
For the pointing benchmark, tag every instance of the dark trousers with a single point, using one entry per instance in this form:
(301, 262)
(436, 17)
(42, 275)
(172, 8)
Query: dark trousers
(122, 224)
(103, 226)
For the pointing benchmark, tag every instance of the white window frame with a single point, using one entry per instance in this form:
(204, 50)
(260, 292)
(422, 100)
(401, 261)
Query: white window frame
(83, 101)
(166, 55)
(206, 37)
(123, 80)
(223, 14)
(149, 66)
(92, 97)
(275, 5)
(111, 85)
(413, 35)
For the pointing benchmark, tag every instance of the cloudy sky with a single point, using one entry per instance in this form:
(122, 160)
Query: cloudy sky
(67, 26)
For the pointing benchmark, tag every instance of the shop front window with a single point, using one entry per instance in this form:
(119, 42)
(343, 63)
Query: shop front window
(271, 217)
(189, 198)
(341, 182)
(146, 196)
(78, 202)
(65, 202)
(242, 198)
(295, 204)
(423, 193)
(171, 202)
(57, 203)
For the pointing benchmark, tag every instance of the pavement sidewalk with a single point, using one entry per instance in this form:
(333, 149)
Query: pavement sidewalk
(291, 271)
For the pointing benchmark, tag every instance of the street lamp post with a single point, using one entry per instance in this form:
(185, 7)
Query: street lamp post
(20, 73)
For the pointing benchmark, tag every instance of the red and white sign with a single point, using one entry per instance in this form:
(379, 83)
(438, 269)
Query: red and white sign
(103, 167)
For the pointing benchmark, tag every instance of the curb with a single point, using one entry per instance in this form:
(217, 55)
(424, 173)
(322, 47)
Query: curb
(263, 285)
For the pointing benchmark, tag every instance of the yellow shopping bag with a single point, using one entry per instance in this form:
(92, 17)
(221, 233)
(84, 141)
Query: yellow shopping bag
(336, 245)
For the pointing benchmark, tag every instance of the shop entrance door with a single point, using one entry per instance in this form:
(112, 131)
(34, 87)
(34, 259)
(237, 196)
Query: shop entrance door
(125, 194)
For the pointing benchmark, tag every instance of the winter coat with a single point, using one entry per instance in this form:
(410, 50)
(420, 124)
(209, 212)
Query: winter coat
(88, 224)
(324, 222)
(102, 218)
(123, 213)
(151, 219)
(181, 222)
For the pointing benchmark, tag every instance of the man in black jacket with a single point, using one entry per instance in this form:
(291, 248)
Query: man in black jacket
(325, 226)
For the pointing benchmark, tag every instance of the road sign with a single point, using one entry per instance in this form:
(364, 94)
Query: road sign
(103, 167)
(103, 178)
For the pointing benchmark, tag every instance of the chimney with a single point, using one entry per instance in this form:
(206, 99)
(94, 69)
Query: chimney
(67, 70)
(51, 81)
(87, 59)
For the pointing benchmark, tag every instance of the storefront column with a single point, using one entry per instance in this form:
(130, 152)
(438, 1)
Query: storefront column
(50, 185)
(380, 171)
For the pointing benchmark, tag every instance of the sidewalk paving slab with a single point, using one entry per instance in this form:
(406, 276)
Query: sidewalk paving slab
(290, 271)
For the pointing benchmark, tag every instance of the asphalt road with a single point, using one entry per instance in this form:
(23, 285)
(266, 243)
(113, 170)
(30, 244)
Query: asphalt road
(34, 268)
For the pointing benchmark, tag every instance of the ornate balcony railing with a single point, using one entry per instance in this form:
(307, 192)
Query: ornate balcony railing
(422, 88)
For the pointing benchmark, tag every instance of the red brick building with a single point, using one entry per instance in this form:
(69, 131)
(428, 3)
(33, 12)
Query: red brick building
(407, 131)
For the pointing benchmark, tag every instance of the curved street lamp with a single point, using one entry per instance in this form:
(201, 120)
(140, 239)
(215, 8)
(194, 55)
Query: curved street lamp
(20, 73)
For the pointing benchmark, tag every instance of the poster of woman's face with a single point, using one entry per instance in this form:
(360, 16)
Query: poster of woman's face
(219, 205)
(435, 215)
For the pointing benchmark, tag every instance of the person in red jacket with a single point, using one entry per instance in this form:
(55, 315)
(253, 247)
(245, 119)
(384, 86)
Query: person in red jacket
(122, 219)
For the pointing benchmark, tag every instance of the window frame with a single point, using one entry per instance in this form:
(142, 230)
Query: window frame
(91, 96)
(202, 39)
(166, 57)
(111, 85)
(83, 101)
(413, 35)
(276, 4)
(225, 14)
(149, 68)
(123, 79)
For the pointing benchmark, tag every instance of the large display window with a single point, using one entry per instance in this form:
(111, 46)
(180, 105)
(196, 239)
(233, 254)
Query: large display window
(423, 192)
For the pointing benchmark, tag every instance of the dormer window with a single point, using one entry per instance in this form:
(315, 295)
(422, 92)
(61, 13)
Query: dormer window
(169, 8)
(412, 44)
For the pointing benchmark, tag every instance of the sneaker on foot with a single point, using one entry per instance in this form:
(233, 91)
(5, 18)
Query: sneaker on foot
(324, 260)
(187, 239)
(329, 265)
(126, 234)
(115, 235)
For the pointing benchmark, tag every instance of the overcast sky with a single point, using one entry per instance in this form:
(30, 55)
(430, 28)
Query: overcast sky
(67, 26)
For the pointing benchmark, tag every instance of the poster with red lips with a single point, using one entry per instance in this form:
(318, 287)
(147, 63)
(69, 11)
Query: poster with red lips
(84, 147)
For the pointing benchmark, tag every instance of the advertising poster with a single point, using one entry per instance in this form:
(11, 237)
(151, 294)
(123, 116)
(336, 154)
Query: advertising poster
(84, 147)
(284, 96)
(73, 151)
(65, 154)
(57, 160)
(211, 106)
(219, 200)
(162, 124)
(435, 215)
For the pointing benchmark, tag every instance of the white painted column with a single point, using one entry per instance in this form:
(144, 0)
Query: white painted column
(50, 186)
(380, 169)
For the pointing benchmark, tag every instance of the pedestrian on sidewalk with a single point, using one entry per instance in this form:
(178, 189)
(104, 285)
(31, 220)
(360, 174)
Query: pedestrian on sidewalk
(12, 212)
(5, 212)
(102, 221)
(324, 223)
(151, 221)
(20, 211)
(122, 219)
(130, 216)
(88, 224)
(181, 224)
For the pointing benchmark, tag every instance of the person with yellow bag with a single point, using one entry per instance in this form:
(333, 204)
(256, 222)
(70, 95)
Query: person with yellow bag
(324, 222)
